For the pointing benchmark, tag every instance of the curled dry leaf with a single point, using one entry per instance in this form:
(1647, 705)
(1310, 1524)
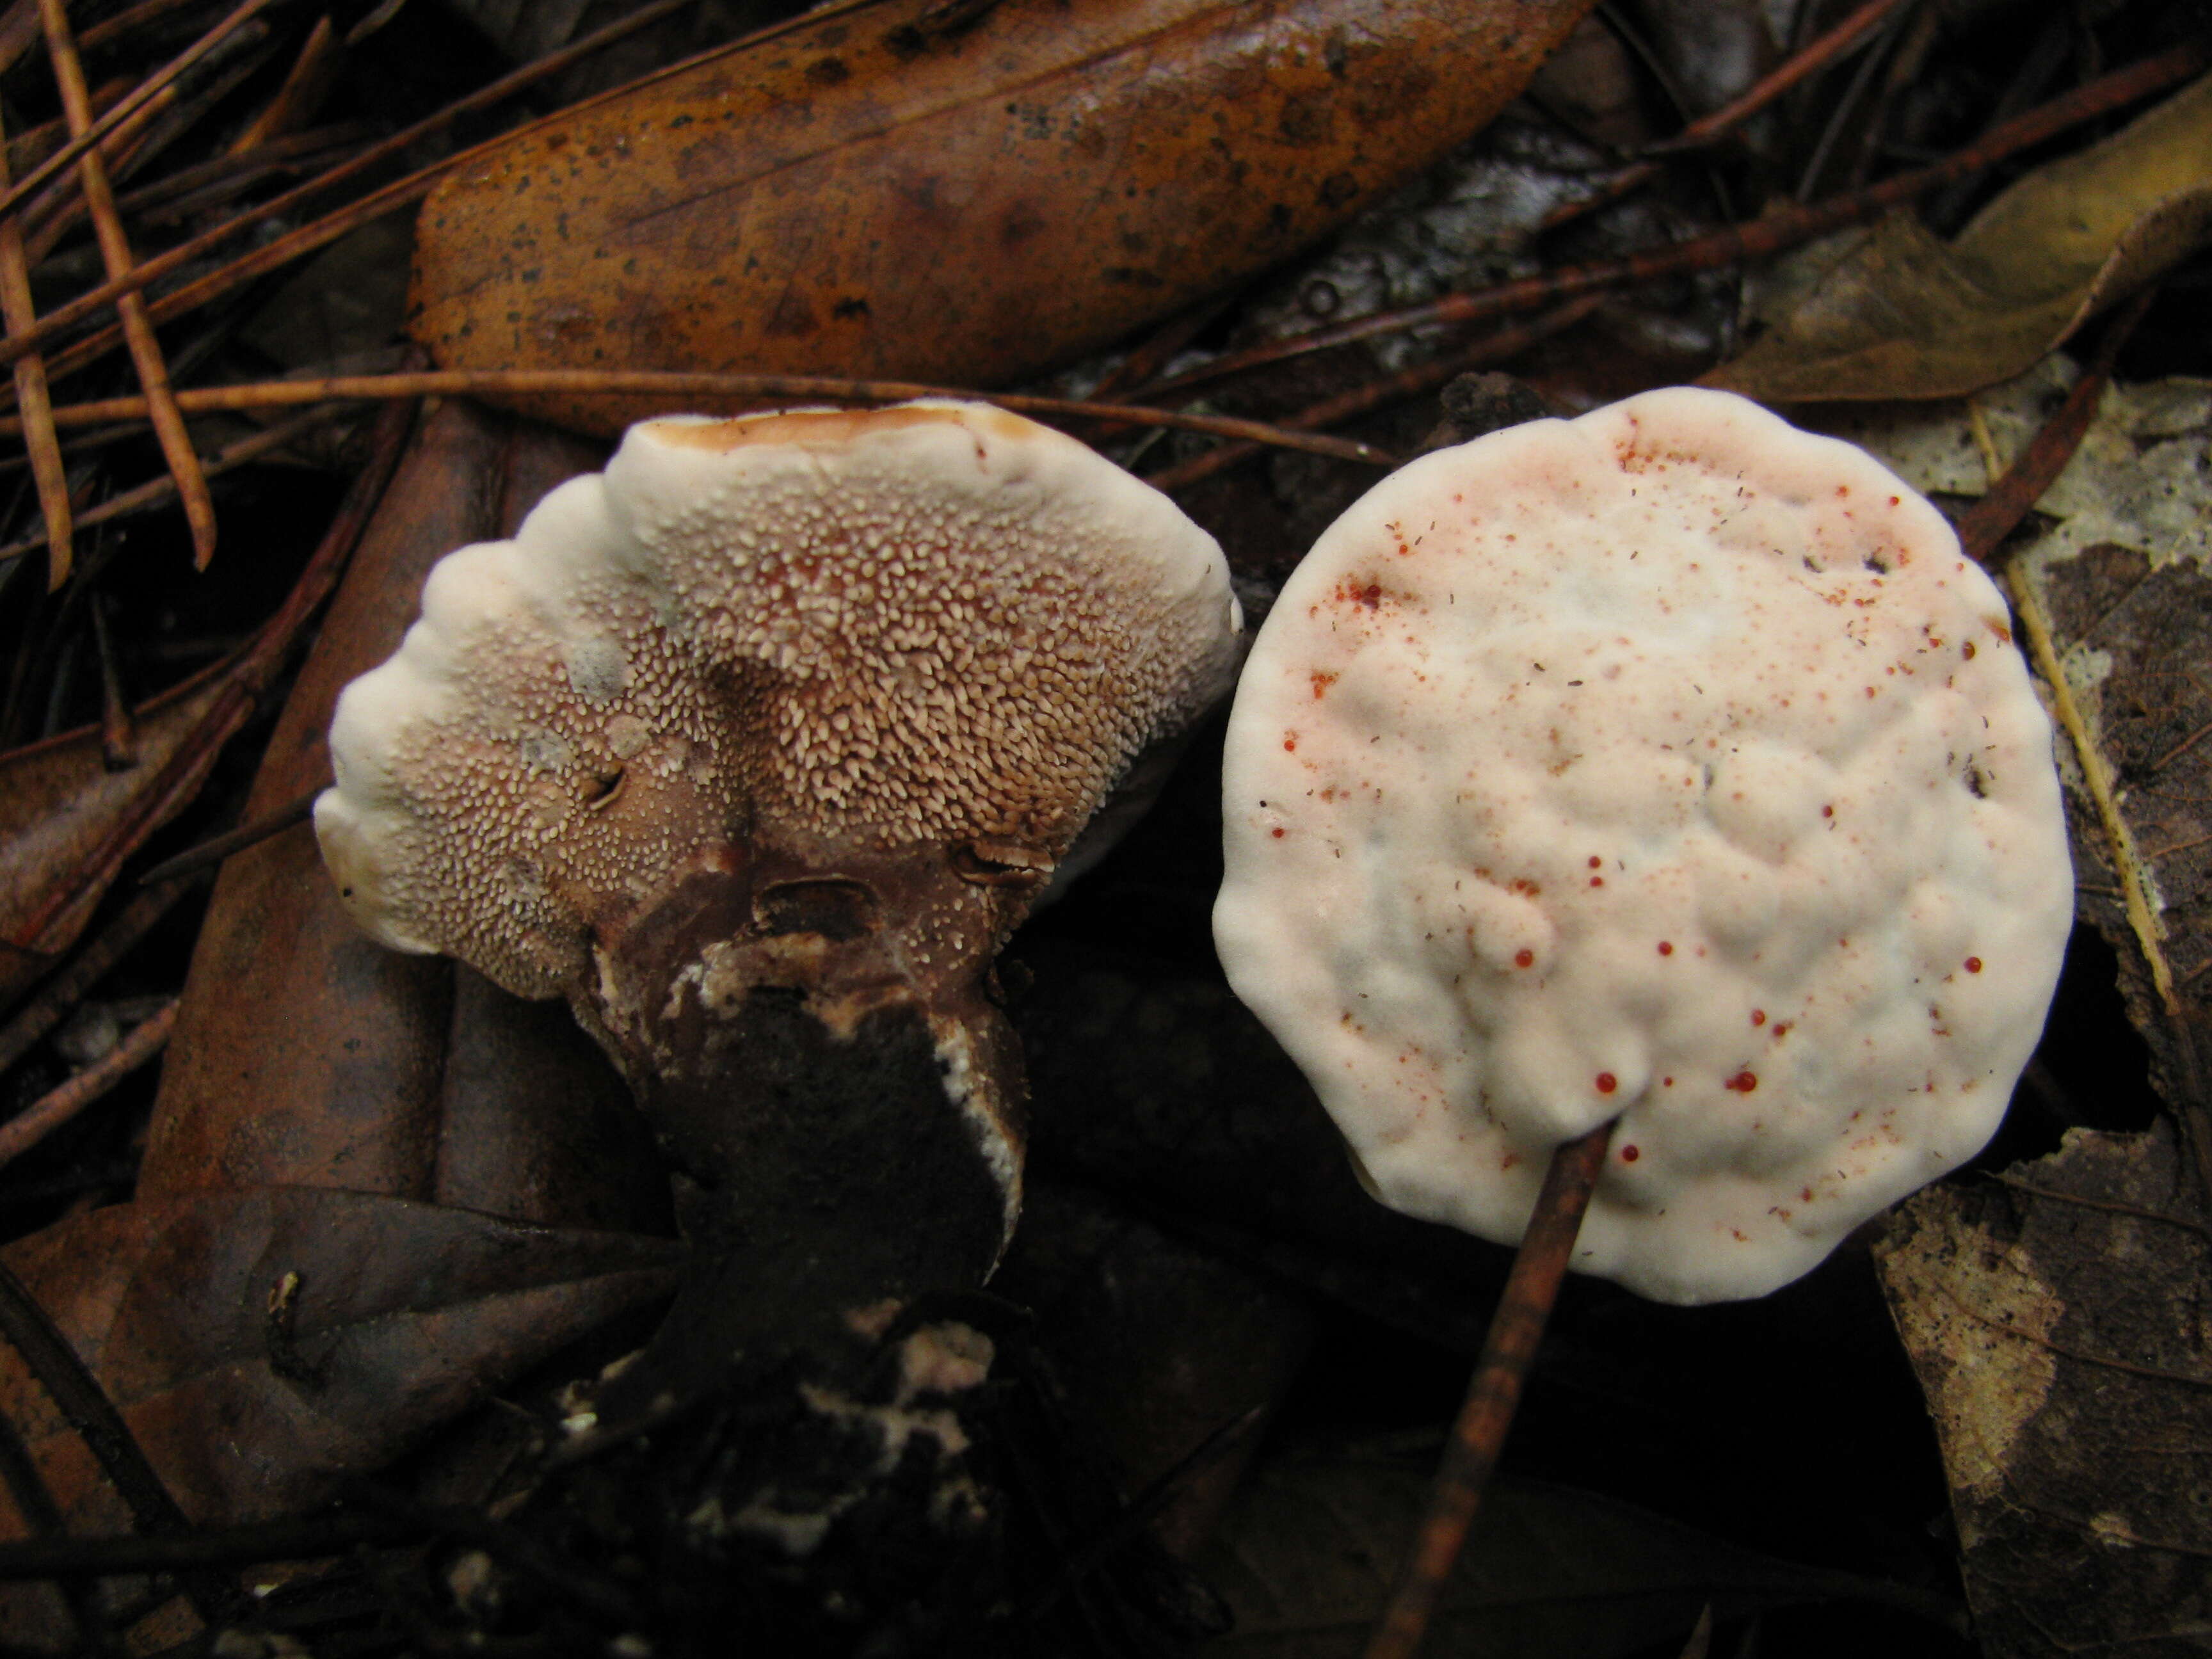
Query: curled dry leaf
(1894, 313)
(2054, 1322)
(1072, 174)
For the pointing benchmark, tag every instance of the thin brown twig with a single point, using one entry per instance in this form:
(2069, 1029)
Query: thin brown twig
(115, 252)
(305, 86)
(1985, 525)
(1751, 240)
(40, 442)
(289, 153)
(104, 35)
(1410, 383)
(2108, 1205)
(332, 226)
(63, 992)
(59, 209)
(118, 727)
(82, 139)
(154, 492)
(1854, 31)
(59, 1105)
(1494, 1394)
(574, 382)
(216, 849)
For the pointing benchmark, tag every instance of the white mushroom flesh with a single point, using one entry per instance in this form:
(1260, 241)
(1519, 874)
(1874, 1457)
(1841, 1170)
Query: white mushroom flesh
(1669, 765)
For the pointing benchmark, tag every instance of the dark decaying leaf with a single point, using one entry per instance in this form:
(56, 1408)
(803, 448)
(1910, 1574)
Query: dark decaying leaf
(1074, 174)
(263, 1343)
(1894, 313)
(2057, 1323)
(1309, 1551)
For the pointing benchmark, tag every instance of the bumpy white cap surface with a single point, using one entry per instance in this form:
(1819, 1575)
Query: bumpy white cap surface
(922, 624)
(1667, 763)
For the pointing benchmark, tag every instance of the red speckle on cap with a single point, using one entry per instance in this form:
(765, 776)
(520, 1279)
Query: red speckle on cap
(1974, 964)
(1524, 958)
(1665, 948)
(1595, 861)
(1895, 500)
(1277, 833)
(1629, 1154)
(1805, 1194)
(1290, 745)
(1743, 1083)
(1970, 650)
(1597, 881)
(1321, 683)
(1827, 812)
(1759, 1016)
(1606, 1083)
(1666, 1082)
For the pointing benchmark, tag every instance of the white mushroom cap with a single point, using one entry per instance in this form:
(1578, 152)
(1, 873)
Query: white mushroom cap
(1668, 763)
(935, 624)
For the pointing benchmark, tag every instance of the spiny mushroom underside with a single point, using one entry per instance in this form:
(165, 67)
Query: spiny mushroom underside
(755, 748)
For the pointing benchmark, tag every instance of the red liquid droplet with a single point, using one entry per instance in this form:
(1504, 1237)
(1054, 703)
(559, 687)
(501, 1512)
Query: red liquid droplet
(1595, 862)
(1759, 1016)
(1597, 881)
(1277, 834)
(1827, 812)
(1523, 958)
(1606, 1083)
(1974, 964)
(1629, 1155)
(1743, 1083)
(1666, 949)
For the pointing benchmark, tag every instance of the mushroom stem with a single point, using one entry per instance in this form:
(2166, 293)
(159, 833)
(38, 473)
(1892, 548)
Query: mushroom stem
(1494, 1394)
(810, 1035)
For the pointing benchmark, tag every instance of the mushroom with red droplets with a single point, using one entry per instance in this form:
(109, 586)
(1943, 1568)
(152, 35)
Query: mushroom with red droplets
(754, 748)
(1797, 847)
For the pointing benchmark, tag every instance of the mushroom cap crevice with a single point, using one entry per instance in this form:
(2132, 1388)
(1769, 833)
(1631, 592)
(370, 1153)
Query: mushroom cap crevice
(925, 627)
(1671, 765)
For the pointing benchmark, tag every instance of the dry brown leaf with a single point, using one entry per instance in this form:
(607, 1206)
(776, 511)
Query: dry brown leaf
(905, 189)
(58, 802)
(262, 1343)
(2055, 1323)
(1894, 313)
